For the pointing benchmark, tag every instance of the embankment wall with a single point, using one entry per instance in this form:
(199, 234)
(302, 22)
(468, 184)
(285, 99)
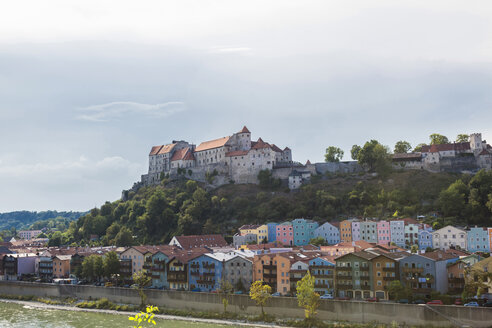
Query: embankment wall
(363, 312)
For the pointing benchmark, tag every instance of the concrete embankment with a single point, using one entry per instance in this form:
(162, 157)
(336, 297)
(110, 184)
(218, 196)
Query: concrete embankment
(284, 307)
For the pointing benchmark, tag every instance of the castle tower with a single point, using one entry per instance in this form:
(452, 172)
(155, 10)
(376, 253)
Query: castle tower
(244, 139)
(476, 143)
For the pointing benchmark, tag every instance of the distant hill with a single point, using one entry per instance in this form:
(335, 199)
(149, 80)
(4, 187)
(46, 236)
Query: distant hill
(155, 214)
(21, 220)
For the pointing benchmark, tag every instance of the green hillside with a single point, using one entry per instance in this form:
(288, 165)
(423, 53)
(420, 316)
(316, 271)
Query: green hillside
(20, 220)
(155, 214)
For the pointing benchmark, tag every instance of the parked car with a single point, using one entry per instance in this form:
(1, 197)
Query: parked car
(326, 297)
(473, 304)
(435, 302)
(238, 292)
(372, 299)
(403, 301)
(108, 284)
(343, 298)
(487, 304)
(276, 294)
(419, 302)
(458, 302)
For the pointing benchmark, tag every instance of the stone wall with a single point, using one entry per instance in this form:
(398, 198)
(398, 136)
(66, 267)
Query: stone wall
(340, 167)
(283, 307)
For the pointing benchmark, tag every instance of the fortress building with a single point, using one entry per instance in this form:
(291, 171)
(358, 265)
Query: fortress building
(233, 158)
(470, 156)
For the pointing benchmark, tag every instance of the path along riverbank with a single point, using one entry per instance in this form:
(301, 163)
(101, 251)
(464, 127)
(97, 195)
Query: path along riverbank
(42, 306)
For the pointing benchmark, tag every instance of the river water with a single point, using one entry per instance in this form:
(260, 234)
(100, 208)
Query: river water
(13, 315)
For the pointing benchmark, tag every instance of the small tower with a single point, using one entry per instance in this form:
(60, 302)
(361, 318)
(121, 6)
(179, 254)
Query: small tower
(476, 143)
(244, 139)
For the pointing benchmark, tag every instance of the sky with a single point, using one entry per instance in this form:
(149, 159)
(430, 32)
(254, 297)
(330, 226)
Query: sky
(88, 87)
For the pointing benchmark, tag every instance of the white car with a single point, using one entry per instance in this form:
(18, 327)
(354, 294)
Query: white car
(326, 297)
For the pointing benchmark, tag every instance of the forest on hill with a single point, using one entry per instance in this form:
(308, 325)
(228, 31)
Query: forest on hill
(19, 220)
(155, 214)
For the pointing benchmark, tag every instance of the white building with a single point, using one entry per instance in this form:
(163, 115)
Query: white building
(449, 236)
(29, 234)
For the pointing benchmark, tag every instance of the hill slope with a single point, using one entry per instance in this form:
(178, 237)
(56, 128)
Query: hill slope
(155, 214)
(25, 219)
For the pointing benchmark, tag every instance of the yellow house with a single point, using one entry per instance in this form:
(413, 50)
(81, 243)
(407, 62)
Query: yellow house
(260, 231)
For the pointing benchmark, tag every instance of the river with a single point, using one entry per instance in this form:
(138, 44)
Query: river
(14, 315)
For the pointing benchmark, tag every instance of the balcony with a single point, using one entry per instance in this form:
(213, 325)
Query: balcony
(161, 262)
(269, 267)
(209, 274)
(159, 269)
(270, 275)
(412, 270)
(320, 267)
(456, 280)
(362, 268)
(176, 277)
(389, 278)
(344, 287)
(365, 278)
(156, 276)
(208, 265)
(205, 282)
(346, 276)
(195, 266)
(320, 285)
(344, 269)
(330, 276)
(365, 287)
(194, 273)
(385, 269)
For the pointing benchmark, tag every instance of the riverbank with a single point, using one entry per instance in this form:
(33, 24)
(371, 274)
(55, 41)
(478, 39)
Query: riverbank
(44, 306)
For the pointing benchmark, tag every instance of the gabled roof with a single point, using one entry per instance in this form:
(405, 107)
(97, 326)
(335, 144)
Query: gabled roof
(439, 255)
(211, 144)
(249, 226)
(260, 144)
(460, 146)
(275, 148)
(193, 241)
(286, 148)
(244, 130)
(163, 149)
(182, 154)
(308, 162)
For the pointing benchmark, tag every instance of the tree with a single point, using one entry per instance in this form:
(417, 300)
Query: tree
(375, 157)
(98, 267)
(225, 289)
(462, 138)
(438, 139)
(418, 148)
(124, 237)
(414, 249)
(148, 317)
(396, 291)
(142, 280)
(402, 147)
(111, 264)
(88, 268)
(260, 293)
(306, 296)
(333, 154)
(318, 241)
(267, 181)
(354, 152)
(56, 239)
(452, 201)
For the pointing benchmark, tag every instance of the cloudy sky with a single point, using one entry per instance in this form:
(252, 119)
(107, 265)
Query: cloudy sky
(87, 87)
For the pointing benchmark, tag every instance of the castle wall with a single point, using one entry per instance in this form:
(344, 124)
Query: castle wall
(340, 167)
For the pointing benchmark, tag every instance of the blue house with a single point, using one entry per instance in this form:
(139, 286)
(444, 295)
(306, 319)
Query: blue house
(323, 269)
(205, 271)
(425, 239)
(478, 240)
(272, 231)
(303, 231)
(328, 232)
(159, 270)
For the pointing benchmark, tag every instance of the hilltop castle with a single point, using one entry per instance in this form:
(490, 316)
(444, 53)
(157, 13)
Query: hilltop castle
(451, 157)
(233, 158)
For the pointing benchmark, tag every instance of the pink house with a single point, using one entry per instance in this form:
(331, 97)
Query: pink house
(285, 233)
(384, 233)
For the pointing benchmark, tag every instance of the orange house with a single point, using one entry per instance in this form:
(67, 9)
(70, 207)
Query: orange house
(346, 231)
(61, 266)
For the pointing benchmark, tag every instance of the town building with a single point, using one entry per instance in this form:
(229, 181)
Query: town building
(478, 240)
(285, 233)
(198, 241)
(272, 231)
(397, 228)
(329, 232)
(369, 231)
(384, 232)
(356, 231)
(354, 275)
(322, 268)
(303, 231)
(61, 266)
(425, 239)
(29, 234)
(346, 230)
(449, 237)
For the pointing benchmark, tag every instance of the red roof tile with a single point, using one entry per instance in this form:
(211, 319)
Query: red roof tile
(182, 154)
(260, 144)
(244, 130)
(194, 241)
(166, 149)
(237, 153)
(275, 148)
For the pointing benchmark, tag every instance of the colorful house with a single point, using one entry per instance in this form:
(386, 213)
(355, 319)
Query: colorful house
(328, 232)
(478, 240)
(346, 230)
(397, 229)
(179, 268)
(384, 233)
(206, 271)
(356, 231)
(272, 231)
(425, 239)
(369, 231)
(285, 233)
(303, 231)
(448, 237)
(412, 228)
(61, 266)
(158, 270)
(322, 268)
(354, 275)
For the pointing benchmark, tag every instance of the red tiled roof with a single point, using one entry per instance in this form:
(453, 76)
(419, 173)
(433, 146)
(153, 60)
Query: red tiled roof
(166, 149)
(275, 148)
(182, 154)
(249, 226)
(211, 144)
(410, 221)
(184, 256)
(155, 150)
(461, 146)
(244, 130)
(260, 144)
(194, 241)
(237, 153)
(439, 255)
(484, 152)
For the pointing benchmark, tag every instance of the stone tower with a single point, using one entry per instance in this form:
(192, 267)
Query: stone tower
(244, 139)
(476, 143)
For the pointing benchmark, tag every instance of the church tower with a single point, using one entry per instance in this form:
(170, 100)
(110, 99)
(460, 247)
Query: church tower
(244, 139)
(476, 143)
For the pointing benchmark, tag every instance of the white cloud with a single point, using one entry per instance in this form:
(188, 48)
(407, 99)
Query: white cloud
(115, 110)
